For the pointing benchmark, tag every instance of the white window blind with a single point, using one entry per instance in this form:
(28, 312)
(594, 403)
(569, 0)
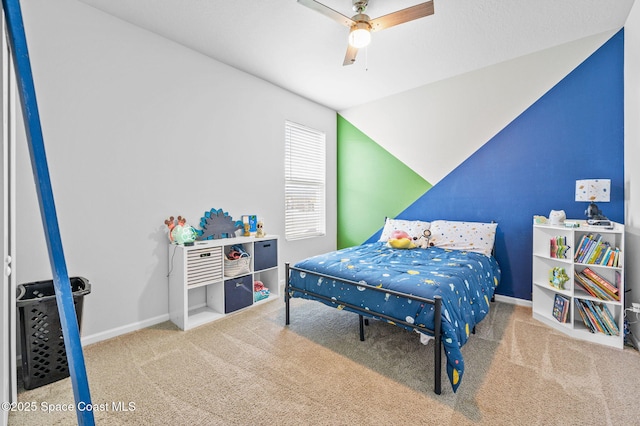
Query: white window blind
(304, 182)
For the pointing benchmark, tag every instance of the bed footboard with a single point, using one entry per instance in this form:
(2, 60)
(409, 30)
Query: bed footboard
(436, 302)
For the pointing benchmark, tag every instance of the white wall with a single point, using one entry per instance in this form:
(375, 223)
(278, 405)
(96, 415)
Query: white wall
(138, 128)
(467, 110)
(631, 155)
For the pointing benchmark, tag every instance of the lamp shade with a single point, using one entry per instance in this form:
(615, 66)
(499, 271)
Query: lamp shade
(592, 190)
(360, 35)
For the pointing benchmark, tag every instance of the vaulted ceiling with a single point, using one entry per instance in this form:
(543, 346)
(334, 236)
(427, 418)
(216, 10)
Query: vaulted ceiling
(300, 50)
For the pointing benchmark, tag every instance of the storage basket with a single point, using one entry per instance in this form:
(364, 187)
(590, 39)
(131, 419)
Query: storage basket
(44, 356)
(233, 268)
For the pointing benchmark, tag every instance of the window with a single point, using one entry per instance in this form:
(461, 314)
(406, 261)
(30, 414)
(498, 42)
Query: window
(304, 182)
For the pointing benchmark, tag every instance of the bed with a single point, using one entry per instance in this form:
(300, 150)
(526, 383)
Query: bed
(441, 291)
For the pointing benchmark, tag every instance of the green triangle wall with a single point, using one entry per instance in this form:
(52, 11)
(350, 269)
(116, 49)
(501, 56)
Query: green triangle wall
(372, 185)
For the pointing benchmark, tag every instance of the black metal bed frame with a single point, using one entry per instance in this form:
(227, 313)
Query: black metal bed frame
(436, 302)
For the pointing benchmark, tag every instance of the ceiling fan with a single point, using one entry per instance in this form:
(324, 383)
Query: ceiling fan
(361, 25)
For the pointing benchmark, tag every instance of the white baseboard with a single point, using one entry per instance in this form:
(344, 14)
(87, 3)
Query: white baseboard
(114, 332)
(513, 300)
(635, 341)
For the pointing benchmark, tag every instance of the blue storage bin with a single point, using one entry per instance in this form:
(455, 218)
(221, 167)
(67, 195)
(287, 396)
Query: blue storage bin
(266, 255)
(238, 293)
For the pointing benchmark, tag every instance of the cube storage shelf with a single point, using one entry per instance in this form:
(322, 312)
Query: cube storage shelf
(544, 293)
(204, 288)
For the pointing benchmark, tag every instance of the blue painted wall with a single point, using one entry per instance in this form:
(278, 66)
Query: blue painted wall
(575, 131)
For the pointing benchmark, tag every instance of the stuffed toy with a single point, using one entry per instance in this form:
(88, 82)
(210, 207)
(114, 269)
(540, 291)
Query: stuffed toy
(423, 240)
(180, 232)
(260, 229)
(401, 240)
(259, 291)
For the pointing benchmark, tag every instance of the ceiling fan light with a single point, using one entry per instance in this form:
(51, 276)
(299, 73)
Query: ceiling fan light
(360, 35)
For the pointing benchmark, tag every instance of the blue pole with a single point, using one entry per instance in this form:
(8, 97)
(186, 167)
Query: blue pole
(62, 285)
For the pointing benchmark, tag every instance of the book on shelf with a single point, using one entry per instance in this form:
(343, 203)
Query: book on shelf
(586, 245)
(597, 317)
(583, 315)
(591, 246)
(592, 250)
(607, 319)
(617, 261)
(596, 285)
(606, 285)
(584, 283)
(605, 257)
(598, 253)
(593, 316)
(580, 248)
(611, 320)
(561, 308)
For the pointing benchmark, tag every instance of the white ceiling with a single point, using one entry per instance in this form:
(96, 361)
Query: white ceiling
(302, 51)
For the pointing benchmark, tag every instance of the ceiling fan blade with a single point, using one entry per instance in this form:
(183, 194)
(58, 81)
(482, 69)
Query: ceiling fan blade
(405, 15)
(328, 12)
(350, 56)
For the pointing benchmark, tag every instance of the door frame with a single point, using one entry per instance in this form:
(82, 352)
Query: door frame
(8, 389)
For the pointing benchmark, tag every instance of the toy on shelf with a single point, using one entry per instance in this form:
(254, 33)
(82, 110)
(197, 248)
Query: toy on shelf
(180, 232)
(558, 277)
(260, 229)
(217, 224)
(259, 291)
(252, 221)
(557, 217)
(537, 220)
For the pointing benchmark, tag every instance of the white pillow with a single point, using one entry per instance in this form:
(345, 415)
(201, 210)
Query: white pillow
(471, 236)
(414, 228)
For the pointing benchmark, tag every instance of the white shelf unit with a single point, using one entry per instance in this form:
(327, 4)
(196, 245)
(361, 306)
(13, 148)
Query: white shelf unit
(201, 292)
(543, 293)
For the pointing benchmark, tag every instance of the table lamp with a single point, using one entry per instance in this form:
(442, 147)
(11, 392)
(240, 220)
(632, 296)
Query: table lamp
(592, 190)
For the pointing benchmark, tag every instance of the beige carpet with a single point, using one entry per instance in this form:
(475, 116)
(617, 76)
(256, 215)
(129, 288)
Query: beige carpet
(249, 369)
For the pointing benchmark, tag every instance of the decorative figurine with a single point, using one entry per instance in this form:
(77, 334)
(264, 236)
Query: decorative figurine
(260, 230)
(557, 217)
(180, 232)
(246, 230)
(217, 224)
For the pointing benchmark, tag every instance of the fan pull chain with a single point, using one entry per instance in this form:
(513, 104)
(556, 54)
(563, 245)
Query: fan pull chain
(366, 59)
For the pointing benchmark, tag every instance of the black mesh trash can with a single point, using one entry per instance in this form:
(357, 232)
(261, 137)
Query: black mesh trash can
(44, 358)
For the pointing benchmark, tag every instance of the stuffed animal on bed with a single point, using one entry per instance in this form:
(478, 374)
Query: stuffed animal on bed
(423, 240)
(401, 240)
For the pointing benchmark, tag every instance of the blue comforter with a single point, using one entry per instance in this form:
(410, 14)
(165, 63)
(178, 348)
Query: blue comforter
(465, 281)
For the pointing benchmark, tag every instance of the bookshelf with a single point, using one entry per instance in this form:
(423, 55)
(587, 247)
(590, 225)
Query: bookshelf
(584, 266)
